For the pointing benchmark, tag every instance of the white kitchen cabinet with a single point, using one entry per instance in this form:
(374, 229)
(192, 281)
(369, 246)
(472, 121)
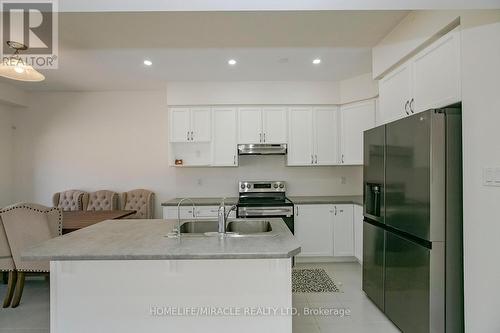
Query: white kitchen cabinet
(313, 229)
(436, 73)
(190, 124)
(430, 79)
(274, 124)
(300, 136)
(225, 137)
(326, 143)
(201, 212)
(395, 94)
(200, 124)
(262, 125)
(250, 125)
(343, 231)
(313, 136)
(355, 119)
(180, 126)
(358, 232)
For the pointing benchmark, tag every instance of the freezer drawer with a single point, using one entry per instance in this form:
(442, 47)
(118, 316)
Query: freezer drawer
(373, 263)
(414, 285)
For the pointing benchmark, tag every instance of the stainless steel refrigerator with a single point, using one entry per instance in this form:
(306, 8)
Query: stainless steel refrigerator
(412, 230)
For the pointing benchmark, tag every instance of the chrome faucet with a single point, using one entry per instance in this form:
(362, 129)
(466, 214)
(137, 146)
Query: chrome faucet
(178, 231)
(222, 216)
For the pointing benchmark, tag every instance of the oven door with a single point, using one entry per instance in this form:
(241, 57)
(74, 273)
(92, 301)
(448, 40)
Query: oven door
(284, 212)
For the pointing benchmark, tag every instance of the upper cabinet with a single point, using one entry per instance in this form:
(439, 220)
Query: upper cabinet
(436, 73)
(274, 124)
(395, 94)
(355, 118)
(430, 79)
(300, 136)
(225, 137)
(262, 124)
(190, 124)
(313, 136)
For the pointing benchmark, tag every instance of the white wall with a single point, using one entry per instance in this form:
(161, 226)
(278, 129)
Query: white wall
(6, 154)
(91, 141)
(481, 117)
(261, 92)
(358, 88)
(11, 95)
(119, 141)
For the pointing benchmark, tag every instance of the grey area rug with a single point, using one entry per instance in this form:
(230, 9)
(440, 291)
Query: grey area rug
(312, 281)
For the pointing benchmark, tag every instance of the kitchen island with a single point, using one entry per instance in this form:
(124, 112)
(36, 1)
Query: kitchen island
(127, 276)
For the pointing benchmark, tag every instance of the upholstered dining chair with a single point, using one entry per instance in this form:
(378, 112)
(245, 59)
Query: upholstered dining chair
(103, 200)
(71, 200)
(142, 201)
(7, 265)
(26, 225)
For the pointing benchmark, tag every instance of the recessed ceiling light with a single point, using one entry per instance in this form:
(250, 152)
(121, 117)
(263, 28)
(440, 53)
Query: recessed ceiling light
(148, 62)
(231, 62)
(317, 61)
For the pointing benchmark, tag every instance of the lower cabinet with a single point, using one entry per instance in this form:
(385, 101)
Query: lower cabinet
(200, 212)
(314, 229)
(325, 230)
(343, 231)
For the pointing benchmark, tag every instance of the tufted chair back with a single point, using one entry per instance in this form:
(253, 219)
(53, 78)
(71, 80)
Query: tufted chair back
(142, 201)
(27, 225)
(6, 261)
(103, 200)
(71, 200)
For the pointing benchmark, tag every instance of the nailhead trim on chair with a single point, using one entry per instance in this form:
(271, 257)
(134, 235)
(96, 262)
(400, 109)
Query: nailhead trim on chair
(59, 227)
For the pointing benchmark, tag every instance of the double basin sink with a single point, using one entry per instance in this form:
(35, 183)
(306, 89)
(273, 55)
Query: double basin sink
(234, 228)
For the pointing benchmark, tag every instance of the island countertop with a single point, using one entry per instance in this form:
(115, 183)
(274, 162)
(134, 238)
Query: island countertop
(146, 240)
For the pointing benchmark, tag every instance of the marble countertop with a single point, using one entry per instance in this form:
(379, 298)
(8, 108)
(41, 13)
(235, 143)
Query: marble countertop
(146, 240)
(202, 201)
(337, 199)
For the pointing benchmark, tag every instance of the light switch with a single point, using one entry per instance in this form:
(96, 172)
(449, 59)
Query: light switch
(491, 176)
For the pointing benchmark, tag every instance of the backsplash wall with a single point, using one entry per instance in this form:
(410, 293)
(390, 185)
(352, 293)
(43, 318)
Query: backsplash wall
(328, 180)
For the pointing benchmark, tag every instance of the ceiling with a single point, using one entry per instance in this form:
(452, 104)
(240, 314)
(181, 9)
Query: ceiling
(105, 51)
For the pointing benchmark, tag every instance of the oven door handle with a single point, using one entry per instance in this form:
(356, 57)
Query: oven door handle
(268, 211)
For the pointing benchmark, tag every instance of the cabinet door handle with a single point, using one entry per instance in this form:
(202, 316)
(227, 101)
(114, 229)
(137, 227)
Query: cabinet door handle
(315, 158)
(192, 135)
(297, 210)
(234, 159)
(264, 137)
(342, 158)
(312, 159)
(260, 137)
(406, 108)
(335, 210)
(411, 105)
(188, 135)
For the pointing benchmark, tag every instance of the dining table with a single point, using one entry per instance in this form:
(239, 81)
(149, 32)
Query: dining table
(78, 219)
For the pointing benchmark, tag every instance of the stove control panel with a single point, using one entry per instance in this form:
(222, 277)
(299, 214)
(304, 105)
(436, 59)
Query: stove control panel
(262, 186)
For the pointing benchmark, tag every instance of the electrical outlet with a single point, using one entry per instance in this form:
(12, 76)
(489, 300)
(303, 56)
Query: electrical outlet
(343, 180)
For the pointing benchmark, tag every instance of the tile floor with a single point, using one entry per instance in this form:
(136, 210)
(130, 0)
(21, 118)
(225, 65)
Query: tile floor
(364, 315)
(32, 316)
